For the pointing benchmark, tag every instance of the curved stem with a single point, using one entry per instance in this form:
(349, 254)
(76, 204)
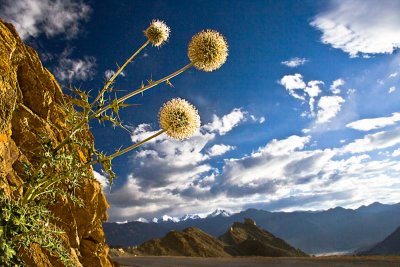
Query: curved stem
(119, 153)
(111, 80)
(176, 73)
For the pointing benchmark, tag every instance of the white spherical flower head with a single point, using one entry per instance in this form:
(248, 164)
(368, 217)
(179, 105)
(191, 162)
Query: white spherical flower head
(179, 119)
(157, 32)
(208, 50)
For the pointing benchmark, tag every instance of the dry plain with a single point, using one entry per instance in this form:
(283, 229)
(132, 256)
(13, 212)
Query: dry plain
(331, 261)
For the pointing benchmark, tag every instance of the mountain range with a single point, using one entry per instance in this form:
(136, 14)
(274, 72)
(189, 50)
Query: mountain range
(314, 232)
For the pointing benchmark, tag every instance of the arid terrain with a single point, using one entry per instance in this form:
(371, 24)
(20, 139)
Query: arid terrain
(345, 261)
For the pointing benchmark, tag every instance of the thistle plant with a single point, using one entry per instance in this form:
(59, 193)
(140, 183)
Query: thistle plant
(62, 166)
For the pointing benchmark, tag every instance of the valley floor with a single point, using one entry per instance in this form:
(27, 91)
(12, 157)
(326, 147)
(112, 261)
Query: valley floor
(332, 261)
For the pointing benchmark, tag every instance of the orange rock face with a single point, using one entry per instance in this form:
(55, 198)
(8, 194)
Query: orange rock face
(30, 107)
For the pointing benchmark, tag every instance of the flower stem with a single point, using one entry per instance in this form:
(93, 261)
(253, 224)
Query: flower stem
(119, 153)
(111, 80)
(142, 89)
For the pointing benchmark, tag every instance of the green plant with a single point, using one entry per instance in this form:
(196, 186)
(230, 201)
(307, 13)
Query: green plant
(62, 166)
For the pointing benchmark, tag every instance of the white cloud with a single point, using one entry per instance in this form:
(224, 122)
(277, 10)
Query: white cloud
(328, 108)
(374, 123)
(164, 168)
(52, 17)
(69, 69)
(259, 120)
(393, 75)
(292, 83)
(361, 26)
(335, 86)
(227, 122)
(372, 142)
(218, 150)
(109, 73)
(294, 62)
(396, 153)
(392, 89)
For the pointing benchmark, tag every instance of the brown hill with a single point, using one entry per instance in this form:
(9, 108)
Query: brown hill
(242, 239)
(190, 242)
(247, 239)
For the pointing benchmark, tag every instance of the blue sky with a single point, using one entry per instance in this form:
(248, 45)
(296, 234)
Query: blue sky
(303, 115)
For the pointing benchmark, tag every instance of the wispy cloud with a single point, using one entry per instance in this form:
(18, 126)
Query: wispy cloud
(371, 142)
(360, 27)
(51, 17)
(109, 73)
(295, 62)
(374, 123)
(73, 69)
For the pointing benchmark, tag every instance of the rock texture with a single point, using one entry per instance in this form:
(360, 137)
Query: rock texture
(30, 107)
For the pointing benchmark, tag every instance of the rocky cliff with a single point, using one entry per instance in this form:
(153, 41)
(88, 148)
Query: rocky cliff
(30, 108)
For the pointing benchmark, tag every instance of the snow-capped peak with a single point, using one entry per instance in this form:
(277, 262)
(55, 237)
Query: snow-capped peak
(166, 218)
(154, 220)
(220, 212)
(122, 222)
(189, 217)
(142, 220)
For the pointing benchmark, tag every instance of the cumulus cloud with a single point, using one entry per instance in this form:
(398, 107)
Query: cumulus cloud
(328, 108)
(218, 150)
(166, 170)
(374, 123)
(335, 86)
(294, 62)
(70, 69)
(396, 153)
(392, 89)
(51, 17)
(360, 26)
